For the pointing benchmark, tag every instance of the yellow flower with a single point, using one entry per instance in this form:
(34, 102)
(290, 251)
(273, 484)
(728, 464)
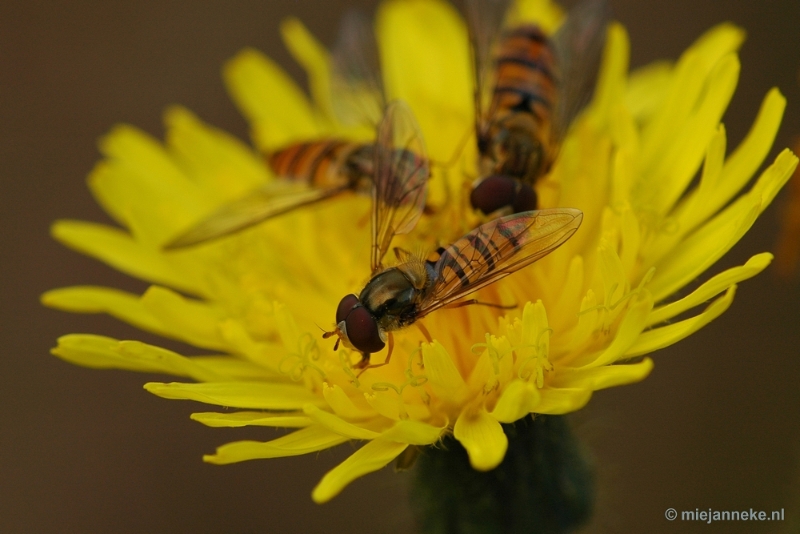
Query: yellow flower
(588, 314)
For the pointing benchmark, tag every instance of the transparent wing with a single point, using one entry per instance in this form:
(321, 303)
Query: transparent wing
(485, 19)
(578, 45)
(274, 199)
(495, 250)
(400, 183)
(356, 88)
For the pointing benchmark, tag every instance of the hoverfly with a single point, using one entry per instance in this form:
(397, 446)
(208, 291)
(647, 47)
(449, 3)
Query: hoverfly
(316, 170)
(540, 85)
(398, 296)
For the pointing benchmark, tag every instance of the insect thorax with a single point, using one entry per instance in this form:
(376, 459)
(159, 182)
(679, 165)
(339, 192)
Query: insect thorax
(516, 146)
(359, 168)
(391, 298)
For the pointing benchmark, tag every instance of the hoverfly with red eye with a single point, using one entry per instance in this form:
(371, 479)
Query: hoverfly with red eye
(398, 296)
(540, 85)
(321, 169)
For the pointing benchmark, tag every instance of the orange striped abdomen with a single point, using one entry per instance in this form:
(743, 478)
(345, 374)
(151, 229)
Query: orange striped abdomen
(525, 75)
(326, 163)
(516, 140)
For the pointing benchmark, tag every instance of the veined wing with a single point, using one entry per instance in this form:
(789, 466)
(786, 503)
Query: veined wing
(273, 199)
(356, 88)
(578, 45)
(400, 184)
(485, 19)
(495, 250)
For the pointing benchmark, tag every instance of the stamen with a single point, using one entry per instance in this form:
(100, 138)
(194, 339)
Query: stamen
(344, 360)
(630, 294)
(308, 352)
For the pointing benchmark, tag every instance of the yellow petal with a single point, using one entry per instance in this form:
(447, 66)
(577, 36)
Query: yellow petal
(240, 419)
(219, 164)
(718, 41)
(255, 395)
(775, 177)
(721, 179)
(371, 457)
(544, 13)
(694, 209)
(614, 277)
(588, 323)
(613, 72)
(631, 240)
(624, 173)
(124, 306)
(189, 320)
(494, 365)
(516, 401)
(276, 108)
(564, 309)
(307, 51)
(304, 441)
(117, 249)
(711, 288)
(170, 361)
(239, 369)
(535, 331)
(627, 334)
(142, 187)
(706, 245)
(482, 437)
(344, 406)
(426, 62)
(749, 155)
(389, 405)
(558, 401)
(700, 251)
(689, 81)
(682, 157)
(443, 376)
(604, 377)
(239, 341)
(413, 433)
(334, 423)
(102, 352)
(647, 87)
(665, 336)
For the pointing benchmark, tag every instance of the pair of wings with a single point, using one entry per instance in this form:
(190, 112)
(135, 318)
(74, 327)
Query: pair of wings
(399, 189)
(495, 250)
(577, 45)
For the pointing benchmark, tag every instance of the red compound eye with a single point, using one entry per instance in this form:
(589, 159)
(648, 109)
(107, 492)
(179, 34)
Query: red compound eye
(362, 331)
(499, 191)
(525, 199)
(345, 305)
(493, 193)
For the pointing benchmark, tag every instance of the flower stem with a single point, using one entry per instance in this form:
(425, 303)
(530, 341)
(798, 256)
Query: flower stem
(544, 484)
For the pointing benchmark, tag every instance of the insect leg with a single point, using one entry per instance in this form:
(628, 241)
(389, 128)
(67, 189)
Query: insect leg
(424, 332)
(470, 302)
(374, 365)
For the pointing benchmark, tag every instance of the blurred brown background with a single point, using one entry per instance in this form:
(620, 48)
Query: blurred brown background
(715, 426)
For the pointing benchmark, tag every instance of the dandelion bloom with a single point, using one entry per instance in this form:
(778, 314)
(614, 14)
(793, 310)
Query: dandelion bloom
(588, 314)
